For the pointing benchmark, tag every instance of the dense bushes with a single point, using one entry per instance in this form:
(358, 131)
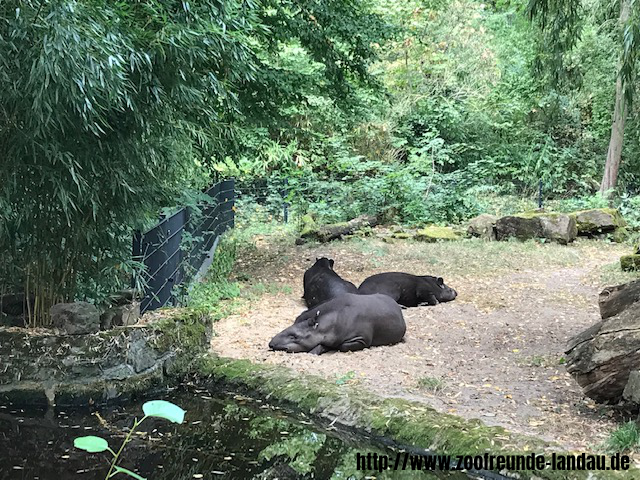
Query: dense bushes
(467, 117)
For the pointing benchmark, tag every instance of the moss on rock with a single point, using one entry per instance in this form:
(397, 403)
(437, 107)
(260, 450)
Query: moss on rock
(620, 235)
(597, 220)
(558, 227)
(309, 226)
(433, 233)
(401, 235)
(406, 423)
(630, 262)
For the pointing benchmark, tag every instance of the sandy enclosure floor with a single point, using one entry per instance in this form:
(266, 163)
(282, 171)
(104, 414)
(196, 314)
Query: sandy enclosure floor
(495, 353)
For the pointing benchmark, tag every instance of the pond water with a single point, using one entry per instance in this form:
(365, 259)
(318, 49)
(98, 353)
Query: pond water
(223, 437)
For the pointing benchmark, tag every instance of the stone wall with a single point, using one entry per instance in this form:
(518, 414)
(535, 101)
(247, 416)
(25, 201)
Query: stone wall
(42, 368)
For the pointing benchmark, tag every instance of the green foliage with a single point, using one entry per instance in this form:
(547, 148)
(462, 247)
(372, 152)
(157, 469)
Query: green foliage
(432, 384)
(153, 408)
(624, 439)
(208, 294)
(113, 110)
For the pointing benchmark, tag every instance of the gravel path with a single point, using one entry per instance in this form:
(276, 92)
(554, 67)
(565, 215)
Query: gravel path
(495, 353)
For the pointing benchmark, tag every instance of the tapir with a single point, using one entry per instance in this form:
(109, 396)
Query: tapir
(409, 290)
(321, 283)
(347, 322)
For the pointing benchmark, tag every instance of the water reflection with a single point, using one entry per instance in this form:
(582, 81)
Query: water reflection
(222, 438)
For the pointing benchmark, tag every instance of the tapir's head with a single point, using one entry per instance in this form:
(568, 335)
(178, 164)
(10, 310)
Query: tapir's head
(444, 293)
(324, 262)
(303, 336)
(437, 287)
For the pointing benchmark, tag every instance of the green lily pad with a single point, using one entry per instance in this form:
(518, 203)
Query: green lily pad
(164, 409)
(91, 444)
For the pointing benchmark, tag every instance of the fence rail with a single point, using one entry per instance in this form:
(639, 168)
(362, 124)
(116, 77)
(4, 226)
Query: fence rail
(176, 248)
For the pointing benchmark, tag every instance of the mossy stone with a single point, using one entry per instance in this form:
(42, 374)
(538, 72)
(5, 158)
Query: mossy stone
(559, 227)
(401, 235)
(630, 263)
(598, 220)
(309, 227)
(433, 234)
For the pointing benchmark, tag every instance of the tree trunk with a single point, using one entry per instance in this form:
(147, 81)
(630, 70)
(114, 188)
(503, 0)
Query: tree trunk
(614, 154)
(326, 233)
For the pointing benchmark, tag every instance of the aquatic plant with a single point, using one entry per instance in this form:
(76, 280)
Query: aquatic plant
(154, 408)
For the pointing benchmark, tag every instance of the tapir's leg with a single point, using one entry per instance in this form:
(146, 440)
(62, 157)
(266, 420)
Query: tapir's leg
(431, 300)
(319, 350)
(353, 345)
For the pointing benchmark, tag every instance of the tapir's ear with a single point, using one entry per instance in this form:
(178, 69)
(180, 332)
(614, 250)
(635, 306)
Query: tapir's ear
(440, 281)
(331, 262)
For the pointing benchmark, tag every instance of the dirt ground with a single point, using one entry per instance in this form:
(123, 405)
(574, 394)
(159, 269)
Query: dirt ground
(495, 353)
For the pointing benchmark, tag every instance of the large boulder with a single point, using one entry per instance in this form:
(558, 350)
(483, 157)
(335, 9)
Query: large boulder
(77, 318)
(602, 357)
(631, 393)
(521, 227)
(483, 226)
(598, 220)
(614, 300)
(558, 227)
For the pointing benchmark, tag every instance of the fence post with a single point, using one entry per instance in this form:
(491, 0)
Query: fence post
(539, 193)
(285, 205)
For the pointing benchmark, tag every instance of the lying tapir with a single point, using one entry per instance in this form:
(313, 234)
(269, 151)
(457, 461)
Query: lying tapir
(345, 323)
(409, 290)
(321, 283)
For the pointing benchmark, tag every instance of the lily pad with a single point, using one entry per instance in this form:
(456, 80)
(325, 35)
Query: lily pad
(91, 444)
(164, 409)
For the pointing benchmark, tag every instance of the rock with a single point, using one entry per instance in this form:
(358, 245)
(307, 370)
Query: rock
(75, 318)
(520, 227)
(598, 220)
(602, 357)
(557, 227)
(630, 263)
(631, 392)
(433, 234)
(120, 316)
(613, 300)
(483, 226)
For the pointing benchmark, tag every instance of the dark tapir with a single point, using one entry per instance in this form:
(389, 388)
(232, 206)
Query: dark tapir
(409, 290)
(345, 323)
(321, 283)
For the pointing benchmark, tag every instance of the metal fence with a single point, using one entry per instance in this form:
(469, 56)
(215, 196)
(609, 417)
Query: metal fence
(175, 250)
